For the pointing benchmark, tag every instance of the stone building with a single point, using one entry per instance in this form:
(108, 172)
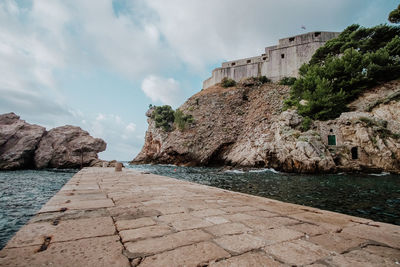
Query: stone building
(278, 61)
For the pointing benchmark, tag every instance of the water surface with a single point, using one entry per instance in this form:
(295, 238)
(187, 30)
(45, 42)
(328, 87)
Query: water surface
(23, 193)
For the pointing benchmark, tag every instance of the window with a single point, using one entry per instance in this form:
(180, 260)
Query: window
(248, 61)
(264, 58)
(233, 64)
(282, 55)
(354, 153)
(331, 140)
(317, 34)
(291, 39)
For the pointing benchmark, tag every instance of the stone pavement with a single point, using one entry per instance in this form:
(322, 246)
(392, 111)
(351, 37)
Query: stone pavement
(106, 218)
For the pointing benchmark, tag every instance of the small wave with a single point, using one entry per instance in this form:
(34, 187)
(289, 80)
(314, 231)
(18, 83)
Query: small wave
(265, 170)
(379, 174)
(234, 171)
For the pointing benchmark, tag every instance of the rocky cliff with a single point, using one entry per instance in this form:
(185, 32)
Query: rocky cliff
(27, 146)
(245, 126)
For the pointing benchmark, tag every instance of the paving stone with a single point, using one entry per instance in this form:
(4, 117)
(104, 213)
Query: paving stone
(194, 255)
(34, 233)
(339, 242)
(236, 209)
(135, 223)
(98, 251)
(312, 229)
(261, 224)
(360, 258)
(249, 259)
(144, 232)
(216, 219)
(81, 205)
(278, 235)
(238, 244)
(383, 233)
(390, 253)
(168, 242)
(325, 217)
(174, 217)
(298, 252)
(190, 224)
(261, 213)
(228, 229)
(239, 217)
(207, 212)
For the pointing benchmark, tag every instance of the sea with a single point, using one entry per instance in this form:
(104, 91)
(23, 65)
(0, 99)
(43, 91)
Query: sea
(373, 196)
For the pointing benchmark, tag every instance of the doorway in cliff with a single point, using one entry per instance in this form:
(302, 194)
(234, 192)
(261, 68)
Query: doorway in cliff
(354, 152)
(331, 140)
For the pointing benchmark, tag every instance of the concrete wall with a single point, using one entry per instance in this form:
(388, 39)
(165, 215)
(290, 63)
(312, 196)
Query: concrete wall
(282, 60)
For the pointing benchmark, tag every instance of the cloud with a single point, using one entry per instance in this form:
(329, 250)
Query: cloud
(167, 91)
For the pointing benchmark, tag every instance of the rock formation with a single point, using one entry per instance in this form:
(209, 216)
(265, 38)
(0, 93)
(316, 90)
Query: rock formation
(245, 126)
(18, 142)
(27, 146)
(67, 147)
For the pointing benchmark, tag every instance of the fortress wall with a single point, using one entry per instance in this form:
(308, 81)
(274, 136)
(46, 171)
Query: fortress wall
(282, 60)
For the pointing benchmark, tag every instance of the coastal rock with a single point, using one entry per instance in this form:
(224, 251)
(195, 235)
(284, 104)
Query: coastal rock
(245, 126)
(67, 147)
(18, 142)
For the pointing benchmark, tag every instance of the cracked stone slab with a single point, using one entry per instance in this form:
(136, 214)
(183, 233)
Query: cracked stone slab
(339, 242)
(249, 259)
(168, 242)
(227, 229)
(98, 251)
(144, 232)
(65, 230)
(189, 256)
(240, 243)
(135, 223)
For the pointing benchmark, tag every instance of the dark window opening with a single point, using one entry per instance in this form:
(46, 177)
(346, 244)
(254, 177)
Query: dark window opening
(331, 140)
(331, 130)
(233, 64)
(317, 34)
(248, 61)
(291, 39)
(354, 153)
(282, 55)
(264, 58)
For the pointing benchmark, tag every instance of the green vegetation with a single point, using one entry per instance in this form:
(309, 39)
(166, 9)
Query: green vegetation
(263, 79)
(344, 67)
(181, 119)
(287, 81)
(226, 82)
(379, 128)
(394, 16)
(306, 124)
(165, 116)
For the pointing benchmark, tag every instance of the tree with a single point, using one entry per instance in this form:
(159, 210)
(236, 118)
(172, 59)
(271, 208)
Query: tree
(394, 16)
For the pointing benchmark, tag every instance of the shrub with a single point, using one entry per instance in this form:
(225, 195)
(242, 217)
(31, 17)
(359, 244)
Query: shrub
(181, 120)
(263, 79)
(287, 81)
(306, 124)
(163, 117)
(226, 82)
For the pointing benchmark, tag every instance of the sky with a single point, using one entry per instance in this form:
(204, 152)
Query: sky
(98, 64)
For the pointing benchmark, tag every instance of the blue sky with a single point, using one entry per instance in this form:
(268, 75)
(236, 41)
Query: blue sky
(98, 64)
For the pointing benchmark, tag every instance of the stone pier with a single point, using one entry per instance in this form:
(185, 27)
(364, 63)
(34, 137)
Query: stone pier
(107, 218)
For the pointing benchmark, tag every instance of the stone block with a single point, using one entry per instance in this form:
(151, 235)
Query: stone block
(216, 219)
(135, 223)
(298, 252)
(249, 259)
(189, 256)
(144, 232)
(238, 244)
(207, 212)
(190, 224)
(261, 224)
(339, 242)
(278, 235)
(168, 242)
(97, 251)
(227, 229)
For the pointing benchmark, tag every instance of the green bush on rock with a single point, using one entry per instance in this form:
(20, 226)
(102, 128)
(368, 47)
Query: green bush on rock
(165, 117)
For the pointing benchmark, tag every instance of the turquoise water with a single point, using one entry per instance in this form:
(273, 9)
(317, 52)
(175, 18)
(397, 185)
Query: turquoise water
(23, 193)
(376, 197)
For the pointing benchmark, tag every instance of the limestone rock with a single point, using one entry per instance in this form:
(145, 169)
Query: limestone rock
(18, 142)
(67, 147)
(244, 126)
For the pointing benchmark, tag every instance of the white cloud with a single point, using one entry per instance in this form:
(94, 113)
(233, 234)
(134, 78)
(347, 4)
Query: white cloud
(167, 91)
